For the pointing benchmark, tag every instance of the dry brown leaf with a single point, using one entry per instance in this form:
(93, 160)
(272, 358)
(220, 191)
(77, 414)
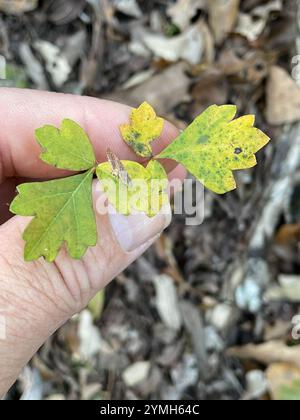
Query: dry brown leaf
(210, 88)
(267, 353)
(288, 234)
(280, 374)
(17, 7)
(222, 17)
(163, 91)
(252, 67)
(283, 98)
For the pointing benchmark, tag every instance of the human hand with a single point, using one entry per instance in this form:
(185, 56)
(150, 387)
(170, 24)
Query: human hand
(36, 298)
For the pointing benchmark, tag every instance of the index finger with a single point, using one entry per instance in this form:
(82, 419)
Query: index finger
(23, 111)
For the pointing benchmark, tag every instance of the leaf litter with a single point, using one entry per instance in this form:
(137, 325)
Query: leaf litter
(251, 57)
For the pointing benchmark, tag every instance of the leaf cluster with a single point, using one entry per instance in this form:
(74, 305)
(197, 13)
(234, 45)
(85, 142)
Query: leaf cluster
(211, 148)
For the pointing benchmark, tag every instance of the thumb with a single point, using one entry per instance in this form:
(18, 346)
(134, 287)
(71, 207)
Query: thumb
(72, 283)
(37, 298)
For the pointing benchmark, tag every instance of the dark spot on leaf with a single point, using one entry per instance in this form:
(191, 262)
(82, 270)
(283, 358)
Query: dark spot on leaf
(135, 135)
(238, 151)
(203, 139)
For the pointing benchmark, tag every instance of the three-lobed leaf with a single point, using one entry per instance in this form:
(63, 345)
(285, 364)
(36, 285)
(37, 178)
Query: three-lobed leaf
(214, 145)
(145, 193)
(63, 211)
(66, 148)
(144, 128)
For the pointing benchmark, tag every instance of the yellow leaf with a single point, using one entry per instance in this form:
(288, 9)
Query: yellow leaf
(143, 129)
(214, 145)
(145, 193)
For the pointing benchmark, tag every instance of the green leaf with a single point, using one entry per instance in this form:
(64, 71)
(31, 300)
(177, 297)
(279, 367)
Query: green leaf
(144, 128)
(67, 148)
(214, 145)
(63, 212)
(145, 193)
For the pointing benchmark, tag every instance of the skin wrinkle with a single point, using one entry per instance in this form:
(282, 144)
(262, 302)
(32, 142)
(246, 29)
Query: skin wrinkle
(33, 282)
(19, 272)
(54, 278)
(23, 306)
(75, 305)
(72, 280)
(51, 282)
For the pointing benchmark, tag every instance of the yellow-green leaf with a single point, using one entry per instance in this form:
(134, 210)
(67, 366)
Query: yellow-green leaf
(66, 148)
(143, 129)
(145, 193)
(214, 145)
(63, 212)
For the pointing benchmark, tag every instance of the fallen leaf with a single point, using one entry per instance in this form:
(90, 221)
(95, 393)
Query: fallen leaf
(63, 212)
(33, 67)
(56, 63)
(284, 381)
(66, 148)
(283, 98)
(187, 46)
(288, 234)
(136, 373)
(128, 7)
(220, 144)
(17, 7)
(194, 325)
(211, 87)
(144, 128)
(267, 353)
(289, 289)
(257, 384)
(167, 303)
(164, 90)
(183, 11)
(138, 79)
(62, 12)
(252, 24)
(222, 17)
(223, 316)
(89, 336)
(31, 384)
(252, 68)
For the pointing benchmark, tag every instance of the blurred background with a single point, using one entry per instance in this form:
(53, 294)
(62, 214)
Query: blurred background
(211, 311)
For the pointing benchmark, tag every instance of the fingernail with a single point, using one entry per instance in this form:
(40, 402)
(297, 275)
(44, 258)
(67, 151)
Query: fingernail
(135, 230)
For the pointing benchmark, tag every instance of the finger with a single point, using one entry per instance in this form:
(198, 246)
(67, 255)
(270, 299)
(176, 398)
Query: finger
(41, 296)
(23, 111)
(121, 239)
